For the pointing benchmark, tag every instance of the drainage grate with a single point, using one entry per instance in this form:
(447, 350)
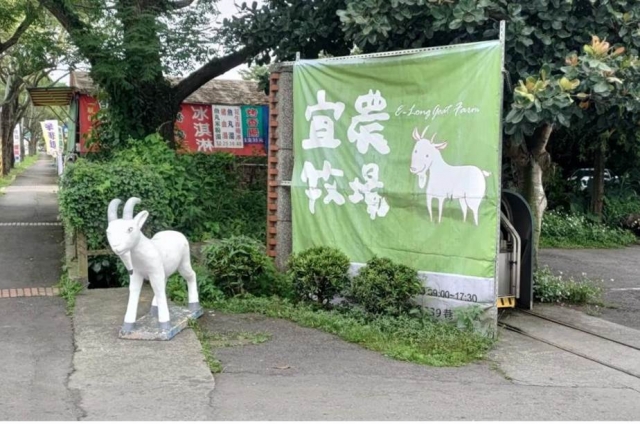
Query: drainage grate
(29, 292)
(30, 224)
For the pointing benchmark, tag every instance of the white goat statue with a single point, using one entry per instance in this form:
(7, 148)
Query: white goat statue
(463, 183)
(154, 259)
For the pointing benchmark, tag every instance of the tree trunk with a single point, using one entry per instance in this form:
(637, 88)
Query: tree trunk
(21, 135)
(33, 145)
(139, 115)
(533, 187)
(7, 124)
(33, 125)
(143, 102)
(597, 193)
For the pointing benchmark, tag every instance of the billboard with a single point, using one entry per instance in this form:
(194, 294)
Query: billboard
(203, 128)
(399, 156)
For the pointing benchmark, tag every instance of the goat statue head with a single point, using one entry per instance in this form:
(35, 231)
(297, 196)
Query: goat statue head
(124, 233)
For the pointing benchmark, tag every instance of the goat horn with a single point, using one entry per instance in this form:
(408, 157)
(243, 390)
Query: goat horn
(112, 212)
(127, 212)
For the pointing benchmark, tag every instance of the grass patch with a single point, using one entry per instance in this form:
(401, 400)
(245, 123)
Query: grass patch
(207, 348)
(549, 288)
(414, 339)
(69, 289)
(210, 341)
(17, 170)
(560, 230)
(237, 338)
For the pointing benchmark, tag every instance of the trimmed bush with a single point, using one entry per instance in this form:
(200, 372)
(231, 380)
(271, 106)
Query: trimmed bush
(385, 287)
(319, 274)
(239, 265)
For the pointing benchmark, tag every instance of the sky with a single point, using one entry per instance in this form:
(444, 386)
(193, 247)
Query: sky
(226, 8)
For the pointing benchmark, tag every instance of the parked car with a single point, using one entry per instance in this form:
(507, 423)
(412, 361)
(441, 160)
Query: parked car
(583, 176)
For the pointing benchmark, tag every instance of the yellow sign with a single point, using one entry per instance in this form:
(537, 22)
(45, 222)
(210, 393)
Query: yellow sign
(51, 133)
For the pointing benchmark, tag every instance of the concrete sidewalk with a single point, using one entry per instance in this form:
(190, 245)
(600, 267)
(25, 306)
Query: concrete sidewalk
(304, 374)
(36, 341)
(135, 380)
(104, 378)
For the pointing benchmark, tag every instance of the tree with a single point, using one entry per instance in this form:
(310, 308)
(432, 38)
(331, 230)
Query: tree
(132, 45)
(609, 98)
(540, 35)
(259, 74)
(26, 64)
(17, 16)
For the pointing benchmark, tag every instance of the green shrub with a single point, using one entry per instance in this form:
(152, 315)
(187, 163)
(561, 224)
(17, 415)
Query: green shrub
(319, 274)
(617, 210)
(548, 288)
(385, 287)
(208, 292)
(107, 271)
(201, 195)
(576, 231)
(88, 187)
(239, 265)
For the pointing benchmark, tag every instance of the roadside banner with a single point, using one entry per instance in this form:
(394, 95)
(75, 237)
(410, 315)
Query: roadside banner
(16, 144)
(51, 134)
(399, 157)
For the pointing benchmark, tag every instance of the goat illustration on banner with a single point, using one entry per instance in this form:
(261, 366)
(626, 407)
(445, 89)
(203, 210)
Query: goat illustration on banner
(465, 184)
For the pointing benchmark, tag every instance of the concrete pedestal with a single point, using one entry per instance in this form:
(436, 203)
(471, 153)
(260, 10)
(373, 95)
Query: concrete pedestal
(148, 328)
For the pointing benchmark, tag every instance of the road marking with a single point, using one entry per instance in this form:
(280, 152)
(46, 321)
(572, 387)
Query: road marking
(30, 292)
(30, 224)
(626, 289)
(31, 189)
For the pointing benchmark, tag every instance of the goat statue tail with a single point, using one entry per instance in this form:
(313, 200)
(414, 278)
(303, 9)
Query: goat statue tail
(486, 173)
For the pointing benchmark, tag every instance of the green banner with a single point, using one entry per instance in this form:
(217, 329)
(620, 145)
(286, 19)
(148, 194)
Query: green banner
(400, 157)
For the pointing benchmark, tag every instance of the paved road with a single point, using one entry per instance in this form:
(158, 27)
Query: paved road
(36, 340)
(304, 374)
(619, 270)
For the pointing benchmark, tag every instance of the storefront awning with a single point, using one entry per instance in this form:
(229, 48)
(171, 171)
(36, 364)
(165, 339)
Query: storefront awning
(51, 96)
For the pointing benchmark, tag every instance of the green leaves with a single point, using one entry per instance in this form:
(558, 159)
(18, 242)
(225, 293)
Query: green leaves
(239, 265)
(201, 195)
(385, 287)
(601, 87)
(567, 85)
(319, 274)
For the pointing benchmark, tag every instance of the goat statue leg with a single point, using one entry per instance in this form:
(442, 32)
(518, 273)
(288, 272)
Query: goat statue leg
(135, 286)
(187, 272)
(154, 308)
(158, 284)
